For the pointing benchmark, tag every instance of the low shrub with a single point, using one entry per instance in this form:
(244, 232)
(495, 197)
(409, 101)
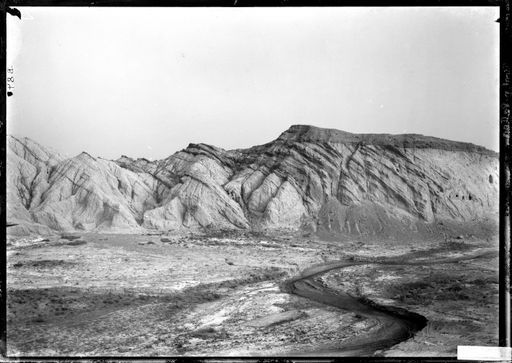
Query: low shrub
(69, 237)
(76, 243)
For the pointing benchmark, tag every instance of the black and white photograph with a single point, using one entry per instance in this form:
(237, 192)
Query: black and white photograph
(252, 182)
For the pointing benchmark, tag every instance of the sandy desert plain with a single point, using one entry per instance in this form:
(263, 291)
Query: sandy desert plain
(235, 293)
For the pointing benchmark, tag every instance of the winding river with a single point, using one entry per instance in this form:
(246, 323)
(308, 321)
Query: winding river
(395, 324)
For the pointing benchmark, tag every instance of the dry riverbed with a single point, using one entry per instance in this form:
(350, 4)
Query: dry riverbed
(213, 295)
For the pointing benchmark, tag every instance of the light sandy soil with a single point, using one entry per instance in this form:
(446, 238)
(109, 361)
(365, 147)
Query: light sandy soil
(201, 295)
(117, 294)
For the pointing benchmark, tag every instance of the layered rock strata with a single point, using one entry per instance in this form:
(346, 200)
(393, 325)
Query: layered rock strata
(309, 179)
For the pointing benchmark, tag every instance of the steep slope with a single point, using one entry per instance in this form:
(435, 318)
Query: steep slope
(312, 179)
(47, 191)
(195, 197)
(342, 182)
(90, 193)
(28, 167)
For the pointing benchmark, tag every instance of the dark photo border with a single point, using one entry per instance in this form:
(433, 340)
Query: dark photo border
(9, 8)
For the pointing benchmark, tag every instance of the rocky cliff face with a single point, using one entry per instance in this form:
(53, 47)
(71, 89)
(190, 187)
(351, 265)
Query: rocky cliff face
(308, 179)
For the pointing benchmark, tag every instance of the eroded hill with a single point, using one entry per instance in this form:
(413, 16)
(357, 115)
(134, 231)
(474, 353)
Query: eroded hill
(309, 179)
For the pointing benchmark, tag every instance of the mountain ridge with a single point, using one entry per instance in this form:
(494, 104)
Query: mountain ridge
(308, 179)
(308, 132)
(312, 133)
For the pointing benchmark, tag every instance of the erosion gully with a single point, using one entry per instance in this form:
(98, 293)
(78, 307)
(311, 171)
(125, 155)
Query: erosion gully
(394, 324)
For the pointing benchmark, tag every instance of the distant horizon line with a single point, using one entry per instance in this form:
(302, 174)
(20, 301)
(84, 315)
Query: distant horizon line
(17, 136)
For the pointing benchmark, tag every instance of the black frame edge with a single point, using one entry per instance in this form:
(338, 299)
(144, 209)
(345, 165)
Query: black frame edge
(505, 154)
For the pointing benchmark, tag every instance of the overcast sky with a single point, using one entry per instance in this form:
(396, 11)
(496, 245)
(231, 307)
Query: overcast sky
(145, 82)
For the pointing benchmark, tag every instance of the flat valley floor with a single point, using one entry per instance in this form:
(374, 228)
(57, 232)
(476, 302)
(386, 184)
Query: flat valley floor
(226, 295)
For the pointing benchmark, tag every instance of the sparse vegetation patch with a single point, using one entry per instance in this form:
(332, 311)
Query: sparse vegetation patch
(441, 287)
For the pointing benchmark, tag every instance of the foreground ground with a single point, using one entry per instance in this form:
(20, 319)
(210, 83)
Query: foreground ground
(222, 295)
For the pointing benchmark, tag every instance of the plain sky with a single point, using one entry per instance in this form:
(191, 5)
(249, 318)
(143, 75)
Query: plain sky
(146, 82)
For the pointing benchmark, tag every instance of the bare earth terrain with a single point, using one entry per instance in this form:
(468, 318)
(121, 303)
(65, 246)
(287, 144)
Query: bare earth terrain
(229, 294)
